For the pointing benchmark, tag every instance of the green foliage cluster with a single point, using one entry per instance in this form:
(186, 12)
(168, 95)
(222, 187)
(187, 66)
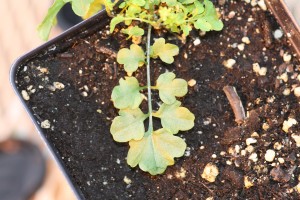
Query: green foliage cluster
(178, 16)
(152, 150)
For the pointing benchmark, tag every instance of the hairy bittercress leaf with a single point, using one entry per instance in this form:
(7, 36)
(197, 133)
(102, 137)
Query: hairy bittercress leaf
(155, 151)
(131, 58)
(165, 51)
(127, 94)
(170, 87)
(175, 118)
(129, 125)
(133, 31)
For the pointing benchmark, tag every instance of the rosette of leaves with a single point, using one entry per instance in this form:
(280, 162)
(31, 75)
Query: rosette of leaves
(152, 150)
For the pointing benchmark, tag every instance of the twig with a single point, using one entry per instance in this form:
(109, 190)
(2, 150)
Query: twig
(107, 51)
(235, 103)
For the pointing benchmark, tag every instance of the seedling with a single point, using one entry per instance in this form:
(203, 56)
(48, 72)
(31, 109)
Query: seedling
(152, 150)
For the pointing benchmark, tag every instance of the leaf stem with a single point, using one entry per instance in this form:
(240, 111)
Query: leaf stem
(150, 127)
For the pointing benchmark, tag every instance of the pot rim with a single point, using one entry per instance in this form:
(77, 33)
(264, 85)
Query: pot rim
(275, 6)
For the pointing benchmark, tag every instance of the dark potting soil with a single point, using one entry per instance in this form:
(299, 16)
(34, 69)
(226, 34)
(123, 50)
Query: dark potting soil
(68, 91)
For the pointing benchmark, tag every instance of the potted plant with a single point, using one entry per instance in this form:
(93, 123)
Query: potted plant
(239, 88)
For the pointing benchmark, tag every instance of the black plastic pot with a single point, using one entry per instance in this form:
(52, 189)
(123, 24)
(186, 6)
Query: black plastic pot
(84, 28)
(93, 24)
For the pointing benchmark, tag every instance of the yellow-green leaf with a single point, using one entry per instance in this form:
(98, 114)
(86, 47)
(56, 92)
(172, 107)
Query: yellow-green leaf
(116, 20)
(129, 125)
(94, 7)
(175, 118)
(155, 151)
(81, 7)
(50, 19)
(170, 87)
(127, 95)
(133, 31)
(165, 51)
(131, 58)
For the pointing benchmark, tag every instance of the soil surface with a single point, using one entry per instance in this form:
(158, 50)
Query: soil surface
(68, 91)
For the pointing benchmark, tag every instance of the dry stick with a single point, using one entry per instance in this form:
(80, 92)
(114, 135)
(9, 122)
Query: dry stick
(235, 103)
(107, 51)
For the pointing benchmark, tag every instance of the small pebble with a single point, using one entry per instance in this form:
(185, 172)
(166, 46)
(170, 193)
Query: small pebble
(214, 156)
(192, 82)
(246, 40)
(229, 63)
(247, 182)
(286, 91)
(250, 141)
(253, 157)
(197, 42)
(270, 155)
(127, 180)
(181, 174)
(297, 139)
(281, 160)
(288, 124)
(262, 5)
(277, 146)
(84, 93)
(231, 14)
(228, 162)
(58, 85)
(287, 57)
(256, 67)
(265, 126)
(262, 71)
(255, 134)
(284, 77)
(278, 34)
(249, 149)
(241, 47)
(210, 172)
(297, 91)
(46, 124)
(25, 95)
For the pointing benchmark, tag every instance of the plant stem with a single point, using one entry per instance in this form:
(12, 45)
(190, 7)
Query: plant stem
(150, 127)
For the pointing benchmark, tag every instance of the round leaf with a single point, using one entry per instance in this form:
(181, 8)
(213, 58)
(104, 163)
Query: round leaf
(128, 126)
(156, 151)
(175, 118)
(131, 58)
(127, 95)
(169, 87)
(165, 52)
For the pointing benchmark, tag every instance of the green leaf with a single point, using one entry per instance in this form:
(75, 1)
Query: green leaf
(155, 151)
(210, 20)
(127, 95)
(81, 7)
(170, 2)
(128, 126)
(116, 20)
(175, 118)
(94, 7)
(203, 25)
(165, 51)
(169, 87)
(50, 19)
(133, 31)
(131, 58)
(138, 2)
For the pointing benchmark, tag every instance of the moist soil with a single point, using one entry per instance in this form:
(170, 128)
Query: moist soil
(68, 87)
